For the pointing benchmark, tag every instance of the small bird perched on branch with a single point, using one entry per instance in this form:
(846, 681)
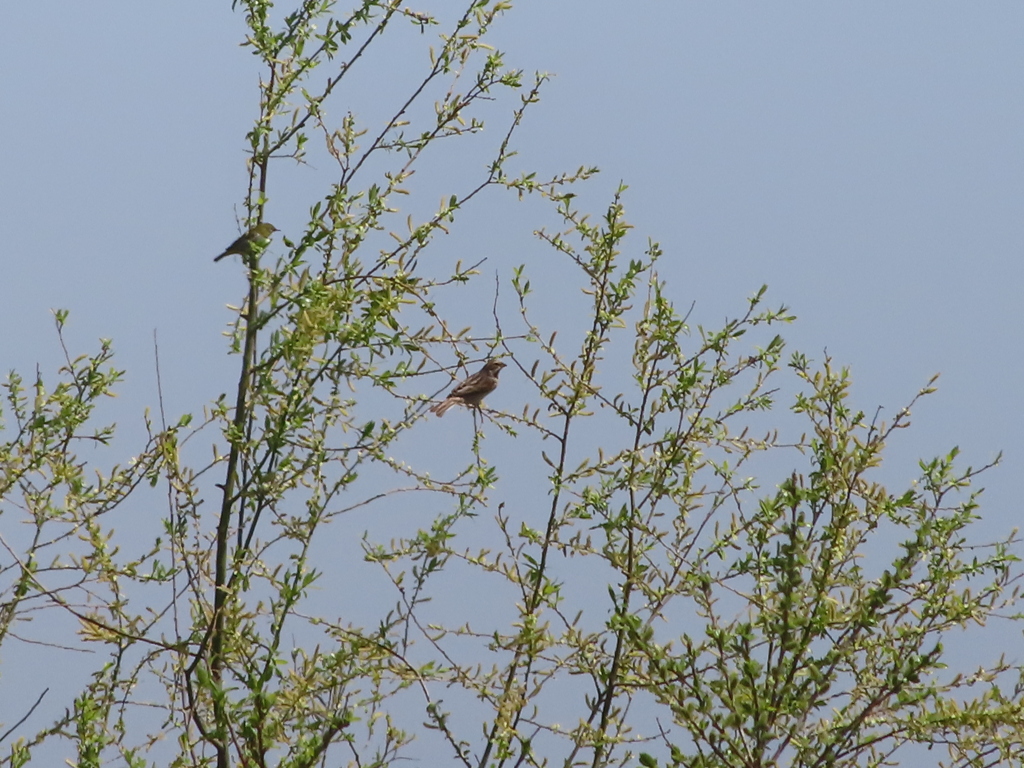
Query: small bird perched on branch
(252, 242)
(472, 391)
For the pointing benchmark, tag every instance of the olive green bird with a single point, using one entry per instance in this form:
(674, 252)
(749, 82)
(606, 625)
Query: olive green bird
(252, 242)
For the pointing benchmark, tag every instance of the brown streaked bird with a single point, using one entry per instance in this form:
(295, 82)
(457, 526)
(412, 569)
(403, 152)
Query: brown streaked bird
(472, 391)
(252, 242)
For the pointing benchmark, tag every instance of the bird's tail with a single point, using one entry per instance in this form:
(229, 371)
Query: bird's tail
(441, 407)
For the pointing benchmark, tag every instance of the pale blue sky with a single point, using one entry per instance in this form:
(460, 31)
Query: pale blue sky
(866, 160)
